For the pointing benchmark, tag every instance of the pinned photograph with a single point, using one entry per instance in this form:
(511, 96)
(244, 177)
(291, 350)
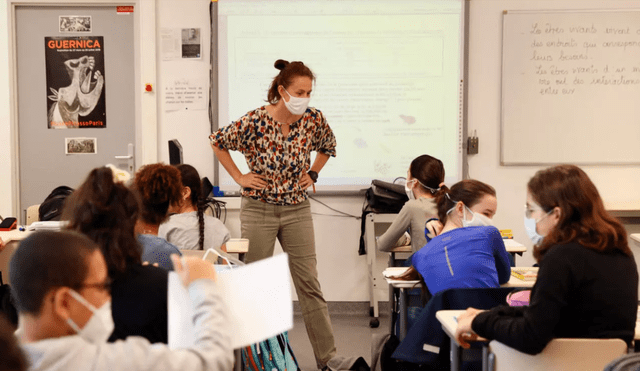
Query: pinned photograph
(190, 43)
(82, 146)
(75, 23)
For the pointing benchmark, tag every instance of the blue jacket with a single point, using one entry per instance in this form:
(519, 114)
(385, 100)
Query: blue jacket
(464, 257)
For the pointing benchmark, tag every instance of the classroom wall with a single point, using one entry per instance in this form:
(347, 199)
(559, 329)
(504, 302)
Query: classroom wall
(343, 274)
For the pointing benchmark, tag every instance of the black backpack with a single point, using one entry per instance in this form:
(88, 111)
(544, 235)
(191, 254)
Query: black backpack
(51, 207)
(6, 304)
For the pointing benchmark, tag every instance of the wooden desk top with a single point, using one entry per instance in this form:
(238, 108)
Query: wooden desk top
(396, 271)
(449, 321)
(636, 238)
(14, 235)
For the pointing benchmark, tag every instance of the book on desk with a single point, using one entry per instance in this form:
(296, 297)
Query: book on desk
(525, 274)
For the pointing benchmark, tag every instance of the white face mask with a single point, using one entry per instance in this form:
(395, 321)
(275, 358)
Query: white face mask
(296, 105)
(477, 219)
(409, 190)
(100, 325)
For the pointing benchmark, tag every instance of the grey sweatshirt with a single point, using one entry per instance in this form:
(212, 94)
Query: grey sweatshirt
(412, 217)
(210, 352)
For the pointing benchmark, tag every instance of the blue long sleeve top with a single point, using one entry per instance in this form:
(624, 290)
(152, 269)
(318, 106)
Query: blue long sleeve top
(464, 257)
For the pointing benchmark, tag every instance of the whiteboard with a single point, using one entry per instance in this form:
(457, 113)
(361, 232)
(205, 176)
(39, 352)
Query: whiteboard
(571, 88)
(389, 79)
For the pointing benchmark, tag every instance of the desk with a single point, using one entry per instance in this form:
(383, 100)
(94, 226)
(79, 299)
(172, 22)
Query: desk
(636, 237)
(377, 290)
(405, 286)
(449, 321)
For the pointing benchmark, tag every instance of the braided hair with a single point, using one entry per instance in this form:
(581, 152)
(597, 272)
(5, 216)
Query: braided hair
(191, 179)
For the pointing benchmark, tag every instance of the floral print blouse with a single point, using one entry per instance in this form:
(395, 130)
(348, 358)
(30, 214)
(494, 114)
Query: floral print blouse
(282, 160)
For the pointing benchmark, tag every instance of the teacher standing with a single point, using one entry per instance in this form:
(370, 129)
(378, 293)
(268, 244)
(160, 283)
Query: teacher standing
(277, 140)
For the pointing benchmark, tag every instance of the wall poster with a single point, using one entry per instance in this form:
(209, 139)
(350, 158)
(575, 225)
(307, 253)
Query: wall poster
(75, 82)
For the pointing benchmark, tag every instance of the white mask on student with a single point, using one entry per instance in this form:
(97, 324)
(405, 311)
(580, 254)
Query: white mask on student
(296, 105)
(100, 325)
(409, 190)
(530, 225)
(477, 219)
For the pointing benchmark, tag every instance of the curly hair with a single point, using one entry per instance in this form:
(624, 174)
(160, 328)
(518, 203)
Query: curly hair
(583, 218)
(191, 179)
(106, 212)
(158, 186)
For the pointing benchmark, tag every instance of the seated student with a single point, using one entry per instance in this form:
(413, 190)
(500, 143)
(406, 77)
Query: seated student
(62, 293)
(587, 285)
(106, 211)
(189, 227)
(158, 186)
(425, 178)
(469, 252)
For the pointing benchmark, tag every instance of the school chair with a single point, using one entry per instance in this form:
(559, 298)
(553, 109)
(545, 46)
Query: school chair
(32, 214)
(559, 354)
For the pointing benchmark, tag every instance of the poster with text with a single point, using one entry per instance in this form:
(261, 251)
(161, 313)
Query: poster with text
(75, 82)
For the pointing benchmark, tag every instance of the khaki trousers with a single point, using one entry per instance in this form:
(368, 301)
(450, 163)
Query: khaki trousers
(261, 223)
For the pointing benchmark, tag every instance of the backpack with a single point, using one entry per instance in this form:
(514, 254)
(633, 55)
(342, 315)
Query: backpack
(274, 353)
(384, 197)
(51, 207)
(6, 304)
(627, 362)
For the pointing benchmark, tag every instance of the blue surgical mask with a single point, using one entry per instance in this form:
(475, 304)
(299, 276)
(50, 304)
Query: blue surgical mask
(530, 225)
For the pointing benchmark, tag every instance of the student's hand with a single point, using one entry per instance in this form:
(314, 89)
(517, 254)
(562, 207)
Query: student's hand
(2, 245)
(434, 227)
(193, 269)
(464, 332)
(252, 180)
(147, 263)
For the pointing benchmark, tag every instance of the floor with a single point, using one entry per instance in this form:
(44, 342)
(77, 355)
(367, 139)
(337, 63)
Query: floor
(351, 332)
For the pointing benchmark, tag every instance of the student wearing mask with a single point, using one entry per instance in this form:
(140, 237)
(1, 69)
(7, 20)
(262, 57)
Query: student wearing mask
(277, 141)
(425, 179)
(62, 294)
(106, 211)
(469, 252)
(188, 226)
(587, 285)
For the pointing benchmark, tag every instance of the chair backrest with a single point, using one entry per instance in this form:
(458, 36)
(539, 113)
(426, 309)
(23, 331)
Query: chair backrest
(559, 354)
(32, 214)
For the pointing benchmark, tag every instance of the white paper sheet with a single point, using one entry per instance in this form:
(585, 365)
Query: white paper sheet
(258, 297)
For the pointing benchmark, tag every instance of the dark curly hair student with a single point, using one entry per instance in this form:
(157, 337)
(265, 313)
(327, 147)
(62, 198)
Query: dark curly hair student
(106, 211)
(188, 226)
(158, 186)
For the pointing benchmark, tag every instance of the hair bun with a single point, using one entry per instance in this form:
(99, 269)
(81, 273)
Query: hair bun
(280, 64)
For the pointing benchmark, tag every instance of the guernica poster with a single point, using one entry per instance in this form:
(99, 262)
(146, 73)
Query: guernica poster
(75, 82)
